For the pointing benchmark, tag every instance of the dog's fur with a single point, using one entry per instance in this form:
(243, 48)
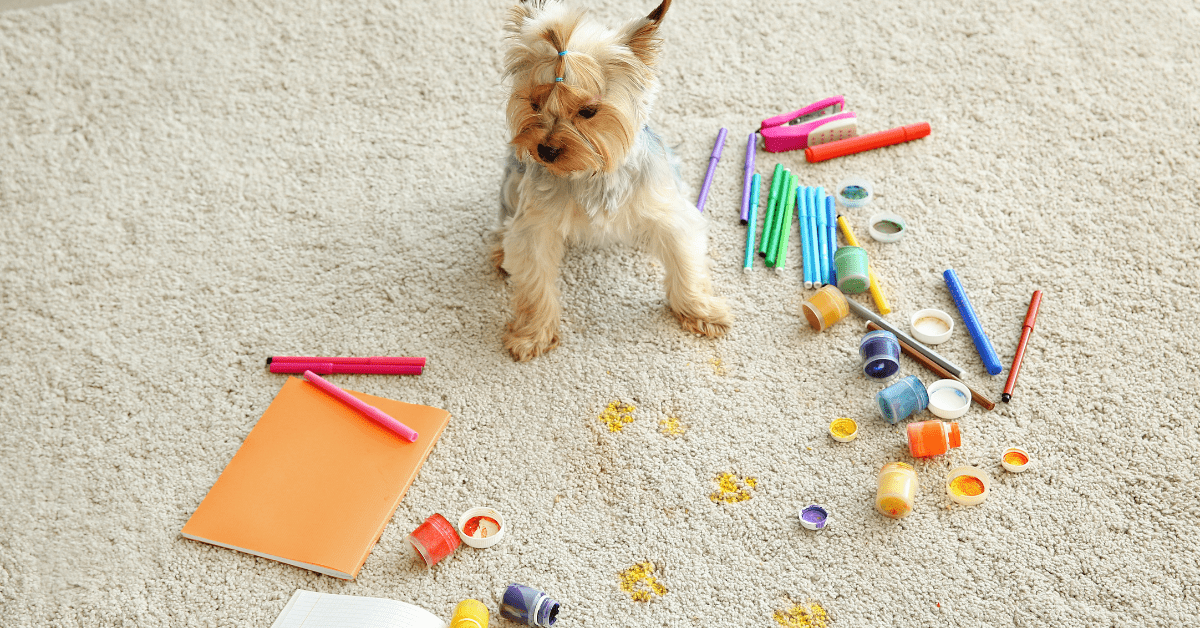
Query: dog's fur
(584, 166)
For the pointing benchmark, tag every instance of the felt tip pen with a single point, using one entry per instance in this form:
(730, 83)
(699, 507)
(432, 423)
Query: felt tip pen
(751, 147)
(983, 344)
(368, 360)
(852, 145)
(329, 368)
(371, 412)
(1026, 330)
(755, 183)
(712, 167)
(772, 201)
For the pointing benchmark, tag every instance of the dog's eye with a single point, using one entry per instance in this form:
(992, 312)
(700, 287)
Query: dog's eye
(587, 112)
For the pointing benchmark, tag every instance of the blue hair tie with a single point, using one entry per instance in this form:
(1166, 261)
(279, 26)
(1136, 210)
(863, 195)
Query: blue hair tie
(558, 79)
(563, 52)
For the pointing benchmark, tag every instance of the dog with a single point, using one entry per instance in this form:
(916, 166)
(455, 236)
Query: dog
(584, 166)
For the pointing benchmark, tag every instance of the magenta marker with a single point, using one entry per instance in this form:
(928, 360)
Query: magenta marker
(371, 412)
(750, 150)
(712, 167)
(328, 368)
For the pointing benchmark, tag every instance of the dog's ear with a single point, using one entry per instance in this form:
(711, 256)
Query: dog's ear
(642, 35)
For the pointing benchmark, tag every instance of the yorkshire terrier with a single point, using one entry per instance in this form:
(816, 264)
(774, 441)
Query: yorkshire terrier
(583, 166)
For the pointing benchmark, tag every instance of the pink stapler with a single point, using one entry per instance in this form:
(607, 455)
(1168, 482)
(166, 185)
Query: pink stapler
(821, 122)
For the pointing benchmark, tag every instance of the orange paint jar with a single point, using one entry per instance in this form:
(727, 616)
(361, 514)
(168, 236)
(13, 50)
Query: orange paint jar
(897, 493)
(932, 438)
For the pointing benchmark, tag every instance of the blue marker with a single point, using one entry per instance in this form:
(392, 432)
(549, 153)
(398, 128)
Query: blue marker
(822, 234)
(802, 199)
(751, 217)
(812, 237)
(983, 345)
(831, 217)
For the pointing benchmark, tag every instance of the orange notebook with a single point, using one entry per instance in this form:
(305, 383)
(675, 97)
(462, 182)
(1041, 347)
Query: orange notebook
(315, 482)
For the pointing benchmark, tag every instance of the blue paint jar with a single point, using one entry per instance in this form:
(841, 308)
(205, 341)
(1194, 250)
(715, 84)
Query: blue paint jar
(880, 353)
(527, 605)
(902, 399)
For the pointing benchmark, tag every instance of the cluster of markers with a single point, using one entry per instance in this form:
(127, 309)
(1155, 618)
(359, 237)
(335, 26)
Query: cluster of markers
(810, 206)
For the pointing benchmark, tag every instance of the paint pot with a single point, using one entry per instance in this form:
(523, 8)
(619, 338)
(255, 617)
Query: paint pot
(897, 492)
(481, 527)
(825, 307)
(854, 192)
(931, 327)
(932, 438)
(1015, 460)
(434, 540)
(880, 353)
(851, 264)
(814, 517)
(949, 398)
(886, 227)
(902, 399)
(526, 605)
(470, 614)
(968, 486)
(843, 430)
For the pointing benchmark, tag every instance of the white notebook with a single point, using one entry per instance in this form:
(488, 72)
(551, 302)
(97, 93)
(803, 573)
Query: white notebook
(308, 609)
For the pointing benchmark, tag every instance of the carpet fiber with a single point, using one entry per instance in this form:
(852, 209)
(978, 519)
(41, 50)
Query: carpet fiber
(189, 187)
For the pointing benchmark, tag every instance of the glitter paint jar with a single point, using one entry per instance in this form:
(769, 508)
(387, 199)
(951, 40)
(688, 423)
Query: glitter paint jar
(470, 614)
(851, 263)
(434, 540)
(902, 399)
(897, 493)
(825, 307)
(880, 353)
(932, 438)
(526, 605)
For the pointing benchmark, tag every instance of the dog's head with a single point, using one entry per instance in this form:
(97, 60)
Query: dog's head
(580, 91)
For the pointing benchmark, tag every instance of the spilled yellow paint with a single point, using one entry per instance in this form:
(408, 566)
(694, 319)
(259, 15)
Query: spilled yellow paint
(617, 415)
(718, 367)
(803, 616)
(640, 582)
(731, 490)
(672, 427)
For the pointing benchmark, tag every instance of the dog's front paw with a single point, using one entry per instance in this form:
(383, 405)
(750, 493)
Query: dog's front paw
(527, 346)
(710, 318)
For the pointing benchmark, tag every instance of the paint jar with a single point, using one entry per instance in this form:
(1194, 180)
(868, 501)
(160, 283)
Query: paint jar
(1015, 460)
(932, 438)
(814, 517)
(481, 527)
(902, 399)
(949, 398)
(470, 614)
(880, 353)
(825, 307)
(526, 605)
(851, 264)
(897, 493)
(968, 486)
(434, 540)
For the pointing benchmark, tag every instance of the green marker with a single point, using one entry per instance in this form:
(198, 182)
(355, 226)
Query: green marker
(777, 222)
(787, 222)
(768, 221)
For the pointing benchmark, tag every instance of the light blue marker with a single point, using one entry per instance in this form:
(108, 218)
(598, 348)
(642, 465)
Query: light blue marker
(831, 217)
(805, 232)
(822, 234)
(812, 237)
(751, 217)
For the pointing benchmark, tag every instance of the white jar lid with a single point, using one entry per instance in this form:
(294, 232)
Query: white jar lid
(481, 527)
(967, 492)
(1016, 454)
(930, 326)
(948, 398)
(814, 517)
(854, 192)
(887, 227)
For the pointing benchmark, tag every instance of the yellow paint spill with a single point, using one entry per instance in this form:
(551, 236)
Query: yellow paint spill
(803, 616)
(640, 582)
(617, 415)
(718, 367)
(672, 427)
(731, 490)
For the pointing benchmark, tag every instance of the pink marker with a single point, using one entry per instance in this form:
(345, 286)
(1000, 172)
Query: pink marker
(371, 360)
(373, 413)
(327, 368)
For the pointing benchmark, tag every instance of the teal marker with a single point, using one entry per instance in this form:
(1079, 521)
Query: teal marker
(768, 222)
(750, 218)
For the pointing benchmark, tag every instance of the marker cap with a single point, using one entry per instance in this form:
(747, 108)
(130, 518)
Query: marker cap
(481, 527)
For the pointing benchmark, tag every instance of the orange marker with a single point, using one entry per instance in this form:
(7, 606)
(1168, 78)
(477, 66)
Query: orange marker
(841, 148)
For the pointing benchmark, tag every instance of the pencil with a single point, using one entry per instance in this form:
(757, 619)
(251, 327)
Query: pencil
(988, 404)
(866, 314)
(881, 303)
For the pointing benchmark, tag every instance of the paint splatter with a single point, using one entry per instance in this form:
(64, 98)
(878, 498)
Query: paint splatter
(672, 427)
(640, 582)
(803, 616)
(718, 367)
(731, 490)
(617, 415)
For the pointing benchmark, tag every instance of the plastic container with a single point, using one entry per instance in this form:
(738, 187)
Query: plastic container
(843, 430)
(470, 614)
(814, 517)
(887, 227)
(880, 353)
(851, 264)
(434, 540)
(481, 527)
(902, 399)
(932, 327)
(1015, 460)
(526, 605)
(932, 438)
(897, 492)
(825, 307)
(854, 192)
(949, 398)
(968, 486)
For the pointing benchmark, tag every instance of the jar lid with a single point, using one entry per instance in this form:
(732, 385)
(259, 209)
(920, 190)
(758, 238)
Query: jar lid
(481, 527)
(886, 227)
(948, 398)
(1015, 460)
(930, 326)
(854, 192)
(814, 517)
(843, 430)
(968, 486)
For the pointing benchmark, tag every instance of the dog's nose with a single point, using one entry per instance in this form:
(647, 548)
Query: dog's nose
(547, 153)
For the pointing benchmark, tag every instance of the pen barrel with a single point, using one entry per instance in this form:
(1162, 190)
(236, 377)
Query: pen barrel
(862, 143)
(1011, 383)
(983, 345)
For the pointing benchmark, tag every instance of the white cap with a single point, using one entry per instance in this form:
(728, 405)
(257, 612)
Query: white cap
(487, 531)
(948, 398)
(886, 227)
(854, 192)
(968, 500)
(814, 517)
(931, 327)
(1015, 468)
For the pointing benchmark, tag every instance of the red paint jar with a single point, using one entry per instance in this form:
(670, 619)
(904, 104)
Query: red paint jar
(434, 540)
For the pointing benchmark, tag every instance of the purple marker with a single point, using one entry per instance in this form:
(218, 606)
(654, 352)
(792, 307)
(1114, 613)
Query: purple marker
(712, 167)
(751, 144)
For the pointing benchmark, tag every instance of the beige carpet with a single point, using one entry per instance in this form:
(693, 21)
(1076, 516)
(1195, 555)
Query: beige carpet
(189, 187)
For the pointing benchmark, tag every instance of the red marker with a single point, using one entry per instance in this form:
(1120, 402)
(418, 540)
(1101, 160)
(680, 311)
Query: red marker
(1026, 330)
(841, 148)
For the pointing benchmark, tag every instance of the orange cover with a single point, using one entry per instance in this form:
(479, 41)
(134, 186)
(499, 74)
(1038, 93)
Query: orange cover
(315, 482)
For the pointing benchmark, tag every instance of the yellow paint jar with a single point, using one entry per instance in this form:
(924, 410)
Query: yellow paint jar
(897, 492)
(825, 307)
